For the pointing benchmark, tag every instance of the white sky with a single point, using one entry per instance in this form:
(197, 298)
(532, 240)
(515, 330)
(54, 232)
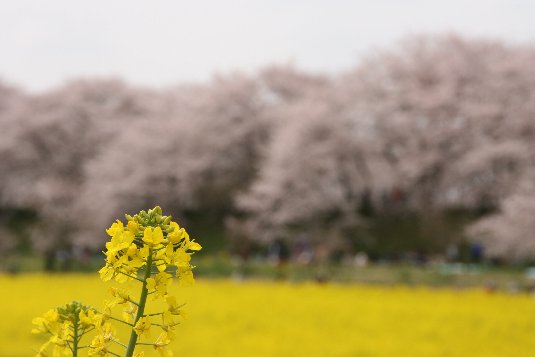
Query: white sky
(160, 42)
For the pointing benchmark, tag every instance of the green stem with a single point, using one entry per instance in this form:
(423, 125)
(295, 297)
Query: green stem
(75, 336)
(119, 343)
(121, 321)
(155, 314)
(141, 307)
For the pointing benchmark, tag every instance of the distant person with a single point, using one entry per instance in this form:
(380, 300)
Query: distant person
(279, 252)
(476, 252)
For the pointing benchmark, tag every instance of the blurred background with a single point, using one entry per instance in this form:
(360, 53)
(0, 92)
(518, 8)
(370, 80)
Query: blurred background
(361, 175)
(293, 139)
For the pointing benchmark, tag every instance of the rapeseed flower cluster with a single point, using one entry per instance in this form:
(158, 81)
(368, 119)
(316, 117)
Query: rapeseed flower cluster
(66, 326)
(306, 319)
(150, 249)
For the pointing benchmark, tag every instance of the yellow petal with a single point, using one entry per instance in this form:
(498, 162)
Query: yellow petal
(151, 283)
(147, 235)
(194, 246)
(157, 235)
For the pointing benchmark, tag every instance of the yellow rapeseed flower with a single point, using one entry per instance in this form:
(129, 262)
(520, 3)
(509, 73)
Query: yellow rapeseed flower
(172, 306)
(143, 326)
(153, 237)
(116, 227)
(133, 227)
(186, 278)
(161, 343)
(60, 346)
(129, 312)
(148, 241)
(90, 318)
(99, 346)
(159, 284)
(121, 294)
(106, 272)
(47, 323)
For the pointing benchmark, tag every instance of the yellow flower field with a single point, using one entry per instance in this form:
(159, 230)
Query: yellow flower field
(227, 318)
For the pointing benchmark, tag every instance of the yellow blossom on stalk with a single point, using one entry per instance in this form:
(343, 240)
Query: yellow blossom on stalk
(131, 252)
(107, 331)
(193, 246)
(189, 244)
(159, 284)
(175, 235)
(186, 278)
(61, 346)
(133, 227)
(43, 349)
(179, 234)
(98, 347)
(116, 228)
(90, 318)
(129, 312)
(84, 318)
(160, 345)
(172, 306)
(178, 257)
(121, 295)
(47, 323)
(120, 240)
(142, 326)
(108, 306)
(162, 259)
(153, 237)
(168, 325)
(106, 272)
(141, 257)
(101, 342)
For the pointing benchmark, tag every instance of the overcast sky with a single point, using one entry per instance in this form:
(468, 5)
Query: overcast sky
(157, 43)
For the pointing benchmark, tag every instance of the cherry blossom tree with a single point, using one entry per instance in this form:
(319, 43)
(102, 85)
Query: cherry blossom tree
(450, 111)
(436, 124)
(58, 133)
(439, 123)
(208, 138)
